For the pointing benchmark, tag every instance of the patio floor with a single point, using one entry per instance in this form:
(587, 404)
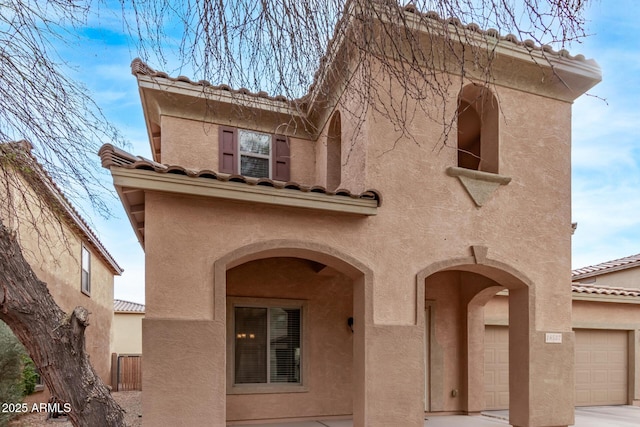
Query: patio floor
(594, 416)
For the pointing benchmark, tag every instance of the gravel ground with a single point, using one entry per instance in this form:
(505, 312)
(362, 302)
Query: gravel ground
(131, 402)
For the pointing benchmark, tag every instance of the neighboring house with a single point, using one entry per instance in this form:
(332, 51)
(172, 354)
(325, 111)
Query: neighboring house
(61, 248)
(622, 272)
(606, 322)
(270, 295)
(127, 327)
(126, 368)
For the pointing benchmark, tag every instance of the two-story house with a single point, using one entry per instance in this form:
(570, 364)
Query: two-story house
(61, 248)
(306, 260)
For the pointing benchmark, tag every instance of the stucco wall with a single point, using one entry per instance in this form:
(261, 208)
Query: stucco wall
(426, 218)
(628, 278)
(328, 353)
(127, 333)
(194, 144)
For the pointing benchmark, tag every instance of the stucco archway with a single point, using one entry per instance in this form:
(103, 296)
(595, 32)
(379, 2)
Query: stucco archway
(453, 292)
(322, 265)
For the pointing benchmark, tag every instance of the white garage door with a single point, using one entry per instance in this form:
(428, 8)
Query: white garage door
(600, 366)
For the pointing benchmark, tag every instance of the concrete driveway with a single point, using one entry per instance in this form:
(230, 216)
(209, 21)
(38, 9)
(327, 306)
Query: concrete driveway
(588, 416)
(593, 416)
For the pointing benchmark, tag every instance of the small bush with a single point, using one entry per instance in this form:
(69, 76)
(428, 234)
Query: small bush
(11, 367)
(30, 376)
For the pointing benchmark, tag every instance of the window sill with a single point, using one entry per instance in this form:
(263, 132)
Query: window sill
(479, 185)
(266, 389)
(86, 293)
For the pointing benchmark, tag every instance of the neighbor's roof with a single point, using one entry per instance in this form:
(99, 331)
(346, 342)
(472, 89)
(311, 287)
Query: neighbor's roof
(604, 290)
(120, 306)
(606, 267)
(57, 199)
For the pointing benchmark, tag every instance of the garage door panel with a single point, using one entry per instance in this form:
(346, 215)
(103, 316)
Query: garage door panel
(496, 367)
(600, 367)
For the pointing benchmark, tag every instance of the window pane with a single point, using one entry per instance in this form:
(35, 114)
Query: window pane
(284, 335)
(254, 142)
(254, 167)
(250, 345)
(86, 286)
(85, 259)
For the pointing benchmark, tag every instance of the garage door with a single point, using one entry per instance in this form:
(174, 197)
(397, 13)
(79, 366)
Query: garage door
(601, 367)
(496, 367)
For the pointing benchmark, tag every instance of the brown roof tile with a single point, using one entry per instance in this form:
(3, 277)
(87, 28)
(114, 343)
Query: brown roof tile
(604, 290)
(606, 267)
(138, 67)
(113, 156)
(121, 306)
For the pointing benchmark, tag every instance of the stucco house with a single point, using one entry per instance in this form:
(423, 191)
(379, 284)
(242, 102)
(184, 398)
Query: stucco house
(61, 248)
(126, 360)
(127, 327)
(324, 271)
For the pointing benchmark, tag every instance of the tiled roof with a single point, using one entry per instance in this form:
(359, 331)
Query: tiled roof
(112, 156)
(606, 267)
(56, 196)
(604, 290)
(529, 45)
(120, 306)
(140, 67)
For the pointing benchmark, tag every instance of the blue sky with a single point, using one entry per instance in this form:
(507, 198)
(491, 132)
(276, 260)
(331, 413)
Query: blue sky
(606, 140)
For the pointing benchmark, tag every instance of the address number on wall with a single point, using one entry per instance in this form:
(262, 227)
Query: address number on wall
(553, 338)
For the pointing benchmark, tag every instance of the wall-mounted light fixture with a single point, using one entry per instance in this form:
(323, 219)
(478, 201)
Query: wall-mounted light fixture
(350, 323)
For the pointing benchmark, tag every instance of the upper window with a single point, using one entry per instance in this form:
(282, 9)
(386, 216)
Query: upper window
(478, 129)
(266, 340)
(254, 154)
(85, 275)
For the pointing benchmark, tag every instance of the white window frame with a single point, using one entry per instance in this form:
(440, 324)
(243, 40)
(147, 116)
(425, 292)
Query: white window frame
(85, 290)
(232, 388)
(255, 155)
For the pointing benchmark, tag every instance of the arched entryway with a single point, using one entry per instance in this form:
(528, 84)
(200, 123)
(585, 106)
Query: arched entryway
(454, 294)
(295, 343)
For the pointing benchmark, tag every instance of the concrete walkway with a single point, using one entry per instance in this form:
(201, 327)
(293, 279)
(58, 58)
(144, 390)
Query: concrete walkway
(594, 416)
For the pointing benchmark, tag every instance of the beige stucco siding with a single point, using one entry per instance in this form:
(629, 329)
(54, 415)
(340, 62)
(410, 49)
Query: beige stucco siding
(627, 278)
(53, 250)
(201, 149)
(127, 333)
(327, 340)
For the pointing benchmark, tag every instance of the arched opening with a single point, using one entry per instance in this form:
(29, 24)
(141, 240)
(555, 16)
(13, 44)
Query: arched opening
(455, 300)
(478, 129)
(334, 152)
(292, 351)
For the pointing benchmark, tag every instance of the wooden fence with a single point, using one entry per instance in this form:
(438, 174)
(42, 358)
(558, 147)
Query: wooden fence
(126, 372)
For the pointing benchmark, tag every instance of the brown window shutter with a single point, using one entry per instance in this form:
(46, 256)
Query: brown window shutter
(281, 157)
(228, 150)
